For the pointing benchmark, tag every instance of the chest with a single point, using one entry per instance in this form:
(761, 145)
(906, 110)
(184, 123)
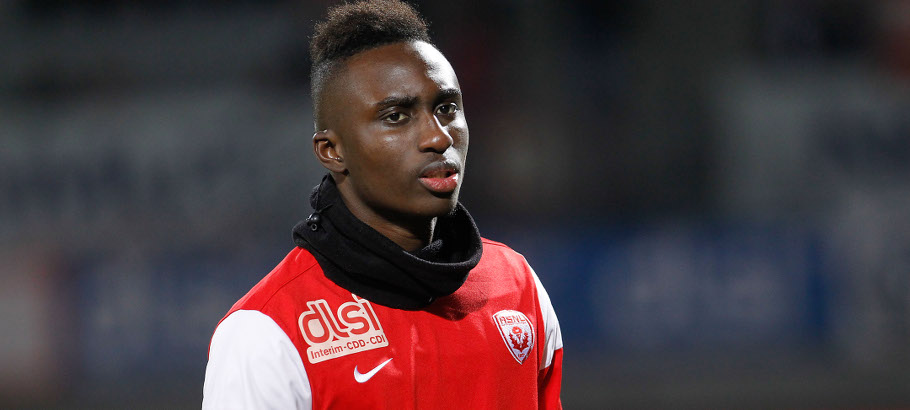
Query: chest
(475, 349)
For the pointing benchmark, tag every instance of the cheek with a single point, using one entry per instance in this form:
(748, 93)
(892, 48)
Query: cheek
(464, 138)
(460, 137)
(388, 140)
(459, 128)
(381, 160)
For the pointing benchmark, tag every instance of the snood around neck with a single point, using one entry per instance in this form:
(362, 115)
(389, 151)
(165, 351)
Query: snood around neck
(358, 258)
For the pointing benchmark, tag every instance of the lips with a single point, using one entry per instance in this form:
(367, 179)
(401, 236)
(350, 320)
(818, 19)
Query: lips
(440, 177)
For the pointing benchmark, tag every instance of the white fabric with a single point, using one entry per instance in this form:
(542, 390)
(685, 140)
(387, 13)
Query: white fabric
(254, 365)
(553, 335)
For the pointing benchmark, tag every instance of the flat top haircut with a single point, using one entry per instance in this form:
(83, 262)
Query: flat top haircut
(354, 27)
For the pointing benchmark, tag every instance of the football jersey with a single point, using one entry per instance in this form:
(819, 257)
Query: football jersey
(297, 340)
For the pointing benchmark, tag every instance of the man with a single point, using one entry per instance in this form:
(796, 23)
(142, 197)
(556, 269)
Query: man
(391, 298)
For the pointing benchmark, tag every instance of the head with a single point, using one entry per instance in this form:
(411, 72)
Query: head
(389, 117)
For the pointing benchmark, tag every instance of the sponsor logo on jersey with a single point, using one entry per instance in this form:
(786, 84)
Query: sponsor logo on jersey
(517, 331)
(350, 328)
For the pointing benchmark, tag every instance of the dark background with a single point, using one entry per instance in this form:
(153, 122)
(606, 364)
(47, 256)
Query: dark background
(715, 193)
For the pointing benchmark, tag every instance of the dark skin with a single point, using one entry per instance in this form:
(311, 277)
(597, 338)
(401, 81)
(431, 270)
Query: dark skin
(388, 116)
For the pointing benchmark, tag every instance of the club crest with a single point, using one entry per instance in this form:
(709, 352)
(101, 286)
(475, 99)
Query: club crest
(516, 331)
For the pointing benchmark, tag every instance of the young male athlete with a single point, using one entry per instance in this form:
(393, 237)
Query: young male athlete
(391, 298)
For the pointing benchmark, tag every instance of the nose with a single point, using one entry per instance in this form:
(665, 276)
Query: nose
(434, 137)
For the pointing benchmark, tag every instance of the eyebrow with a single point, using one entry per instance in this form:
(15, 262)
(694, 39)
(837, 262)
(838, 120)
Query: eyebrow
(448, 93)
(411, 100)
(406, 101)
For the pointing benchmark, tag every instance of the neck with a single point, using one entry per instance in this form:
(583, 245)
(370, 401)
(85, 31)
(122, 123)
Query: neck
(410, 234)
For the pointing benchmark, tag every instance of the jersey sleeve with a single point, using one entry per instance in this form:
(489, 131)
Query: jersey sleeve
(254, 365)
(549, 379)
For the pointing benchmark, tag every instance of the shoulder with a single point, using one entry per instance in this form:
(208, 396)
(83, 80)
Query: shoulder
(494, 244)
(504, 266)
(499, 250)
(504, 256)
(501, 256)
(295, 268)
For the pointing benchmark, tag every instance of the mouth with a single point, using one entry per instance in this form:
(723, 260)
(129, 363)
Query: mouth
(440, 177)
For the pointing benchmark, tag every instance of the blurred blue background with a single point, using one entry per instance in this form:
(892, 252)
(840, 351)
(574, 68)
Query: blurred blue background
(715, 193)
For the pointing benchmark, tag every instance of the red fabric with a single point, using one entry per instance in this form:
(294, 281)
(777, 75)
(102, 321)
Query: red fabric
(549, 384)
(449, 355)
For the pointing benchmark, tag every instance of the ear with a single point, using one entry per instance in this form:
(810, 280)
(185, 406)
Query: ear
(327, 147)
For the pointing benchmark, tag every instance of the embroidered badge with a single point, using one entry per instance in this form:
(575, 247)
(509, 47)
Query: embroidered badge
(351, 328)
(517, 331)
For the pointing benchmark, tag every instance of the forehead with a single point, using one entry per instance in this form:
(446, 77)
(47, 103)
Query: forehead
(398, 69)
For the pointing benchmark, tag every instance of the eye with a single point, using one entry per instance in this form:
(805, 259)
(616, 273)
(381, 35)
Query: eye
(395, 117)
(447, 109)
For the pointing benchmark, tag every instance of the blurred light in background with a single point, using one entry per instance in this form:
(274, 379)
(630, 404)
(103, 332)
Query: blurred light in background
(717, 195)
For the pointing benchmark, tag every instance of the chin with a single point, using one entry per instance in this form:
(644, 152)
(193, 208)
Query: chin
(440, 207)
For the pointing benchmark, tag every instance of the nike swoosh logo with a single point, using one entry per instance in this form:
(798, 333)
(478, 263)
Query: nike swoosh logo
(363, 377)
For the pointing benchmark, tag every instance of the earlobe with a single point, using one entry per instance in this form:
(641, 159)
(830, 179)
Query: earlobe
(327, 147)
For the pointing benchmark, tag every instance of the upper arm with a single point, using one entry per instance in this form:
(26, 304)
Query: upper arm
(552, 333)
(254, 365)
(550, 375)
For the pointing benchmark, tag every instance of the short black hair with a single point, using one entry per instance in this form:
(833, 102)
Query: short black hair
(351, 28)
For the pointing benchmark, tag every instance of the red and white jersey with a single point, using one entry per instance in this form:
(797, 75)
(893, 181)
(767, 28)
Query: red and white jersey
(299, 341)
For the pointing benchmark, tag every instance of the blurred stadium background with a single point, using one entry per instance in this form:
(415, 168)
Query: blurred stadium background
(716, 193)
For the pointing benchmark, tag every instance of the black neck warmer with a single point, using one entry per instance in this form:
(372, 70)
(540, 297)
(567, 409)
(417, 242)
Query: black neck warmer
(363, 261)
